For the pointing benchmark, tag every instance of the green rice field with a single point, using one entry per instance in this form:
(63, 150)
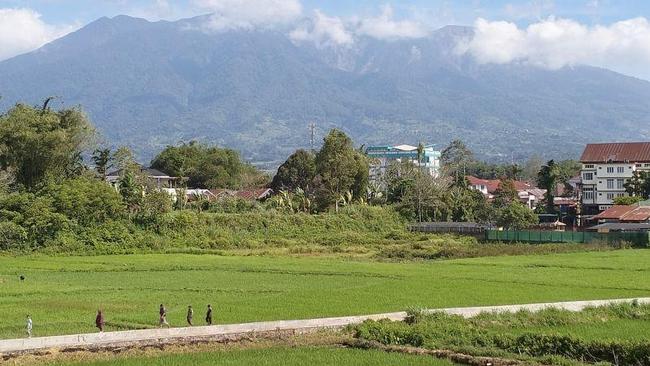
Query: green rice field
(63, 293)
(279, 356)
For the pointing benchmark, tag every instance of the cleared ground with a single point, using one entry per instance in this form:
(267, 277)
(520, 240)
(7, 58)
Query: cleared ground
(63, 293)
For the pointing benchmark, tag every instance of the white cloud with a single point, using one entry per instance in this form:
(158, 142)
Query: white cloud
(384, 27)
(248, 14)
(553, 43)
(324, 31)
(22, 30)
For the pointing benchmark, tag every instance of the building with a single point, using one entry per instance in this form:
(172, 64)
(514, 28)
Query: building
(605, 170)
(382, 156)
(528, 193)
(155, 178)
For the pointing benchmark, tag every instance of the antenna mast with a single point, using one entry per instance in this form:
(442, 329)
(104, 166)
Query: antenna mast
(312, 127)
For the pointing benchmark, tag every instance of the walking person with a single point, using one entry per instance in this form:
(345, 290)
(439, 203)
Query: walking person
(208, 315)
(163, 316)
(29, 326)
(190, 315)
(99, 321)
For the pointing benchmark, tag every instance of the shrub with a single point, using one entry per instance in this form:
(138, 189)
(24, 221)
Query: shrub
(85, 200)
(12, 236)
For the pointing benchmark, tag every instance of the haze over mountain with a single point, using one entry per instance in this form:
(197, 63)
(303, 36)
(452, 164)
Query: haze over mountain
(149, 84)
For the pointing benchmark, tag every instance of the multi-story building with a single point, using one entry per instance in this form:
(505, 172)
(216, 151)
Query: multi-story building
(606, 168)
(382, 156)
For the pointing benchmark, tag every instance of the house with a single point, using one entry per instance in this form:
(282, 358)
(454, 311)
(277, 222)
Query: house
(154, 177)
(528, 193)
(382, 156)
(605, 170)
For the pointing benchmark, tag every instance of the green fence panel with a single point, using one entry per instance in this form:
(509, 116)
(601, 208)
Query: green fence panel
(532, 236)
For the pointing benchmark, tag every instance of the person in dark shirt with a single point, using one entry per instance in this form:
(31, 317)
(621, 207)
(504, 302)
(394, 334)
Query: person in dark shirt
(190, 315)
(99, 321)
(163, 316)
(208, 315)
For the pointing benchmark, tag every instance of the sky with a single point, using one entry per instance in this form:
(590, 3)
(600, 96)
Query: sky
(546, 33)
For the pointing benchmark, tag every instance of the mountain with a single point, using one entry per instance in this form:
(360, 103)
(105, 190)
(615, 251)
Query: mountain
(149, 84)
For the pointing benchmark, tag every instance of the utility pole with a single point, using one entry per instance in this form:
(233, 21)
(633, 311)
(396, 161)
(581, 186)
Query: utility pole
(312, 128)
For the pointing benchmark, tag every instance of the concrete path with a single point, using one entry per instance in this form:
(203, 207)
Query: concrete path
(233, 331)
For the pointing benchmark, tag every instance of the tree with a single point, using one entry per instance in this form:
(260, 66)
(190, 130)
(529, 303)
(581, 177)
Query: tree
(515, 216)
(131, 191)
(362, 177)
(505, 193)
(532, 167)
(124, 160)
(627, 200)
(205, 166)
(547, 179)
(639, 185)
(337, 167)
(298, 171)
(36, 144)
(102, 159)
(455, 158)
(154, 205)
(86, 200)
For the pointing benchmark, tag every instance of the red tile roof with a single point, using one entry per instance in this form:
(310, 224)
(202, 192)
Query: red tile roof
(493, 184)
(619, 152)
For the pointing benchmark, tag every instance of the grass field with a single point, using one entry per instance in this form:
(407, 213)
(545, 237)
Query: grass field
(611, 334)
(280, 356)
(63, 293)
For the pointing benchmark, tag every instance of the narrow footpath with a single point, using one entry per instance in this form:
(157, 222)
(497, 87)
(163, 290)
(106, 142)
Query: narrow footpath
(239, 331)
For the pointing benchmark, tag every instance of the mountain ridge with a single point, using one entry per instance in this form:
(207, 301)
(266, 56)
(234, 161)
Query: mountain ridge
(149, 84)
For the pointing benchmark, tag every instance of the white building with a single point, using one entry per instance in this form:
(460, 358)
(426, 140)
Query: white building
(605, 170)
(382, 156)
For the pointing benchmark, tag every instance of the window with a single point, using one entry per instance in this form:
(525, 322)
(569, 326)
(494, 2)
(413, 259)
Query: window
(588, 194)
(610, 184)
(588, 176)
(639, 165)
(620, 169)
(610, 169)
(646, 165)
(620, 183)
(610, 196)
(589, 166)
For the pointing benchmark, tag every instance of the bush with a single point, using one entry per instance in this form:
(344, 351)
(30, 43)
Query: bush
(12, 236)
(86, 200)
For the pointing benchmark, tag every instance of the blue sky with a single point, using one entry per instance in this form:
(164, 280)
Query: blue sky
(546, 33)
(462, 12)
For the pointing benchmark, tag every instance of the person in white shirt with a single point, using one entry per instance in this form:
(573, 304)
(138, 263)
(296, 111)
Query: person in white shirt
(29, 326)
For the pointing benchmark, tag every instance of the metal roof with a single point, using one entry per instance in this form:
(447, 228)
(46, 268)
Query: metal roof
(626, 226)
(618, 152)
(625, 213)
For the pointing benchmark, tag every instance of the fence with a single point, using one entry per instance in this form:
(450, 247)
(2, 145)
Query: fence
(641, 239)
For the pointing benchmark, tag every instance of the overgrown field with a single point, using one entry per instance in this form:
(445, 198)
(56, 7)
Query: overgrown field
(365, 231)
(616, 334)
(63, 293)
